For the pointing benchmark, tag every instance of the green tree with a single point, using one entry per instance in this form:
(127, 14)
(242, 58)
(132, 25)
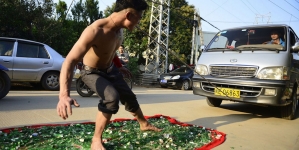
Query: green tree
(61, 9)
(181, 28)
(34, 20)
(78, 11)
(92, 10)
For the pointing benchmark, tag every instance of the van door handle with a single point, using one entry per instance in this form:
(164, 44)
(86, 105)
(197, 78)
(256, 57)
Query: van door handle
(46, 62)
(6, 60)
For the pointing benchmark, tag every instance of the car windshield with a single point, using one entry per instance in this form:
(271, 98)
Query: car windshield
(270, 38)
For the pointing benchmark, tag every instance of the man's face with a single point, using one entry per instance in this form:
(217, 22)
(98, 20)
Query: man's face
(121, 49)
(135, 18)
(274, 36)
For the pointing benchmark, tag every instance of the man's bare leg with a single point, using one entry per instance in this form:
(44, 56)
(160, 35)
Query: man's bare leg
(144, 124)
(101, 121)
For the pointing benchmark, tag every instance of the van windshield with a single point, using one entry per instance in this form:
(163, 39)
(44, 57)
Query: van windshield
(270, 38)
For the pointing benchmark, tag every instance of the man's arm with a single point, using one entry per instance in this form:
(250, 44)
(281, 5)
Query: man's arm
(75, 55)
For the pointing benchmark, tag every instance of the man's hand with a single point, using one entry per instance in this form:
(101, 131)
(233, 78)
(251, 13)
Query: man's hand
(125, 72)
(64, 107)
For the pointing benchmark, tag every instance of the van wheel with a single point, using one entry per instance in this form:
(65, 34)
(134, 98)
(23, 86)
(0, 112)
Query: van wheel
(185, 85)
(50, 81)
(214, 102)
(288, 112)
(4, 84)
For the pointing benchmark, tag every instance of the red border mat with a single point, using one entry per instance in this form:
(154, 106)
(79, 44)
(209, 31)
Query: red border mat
(215, 140)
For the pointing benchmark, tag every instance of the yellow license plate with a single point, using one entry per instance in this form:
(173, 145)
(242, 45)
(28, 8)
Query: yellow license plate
(227, 92)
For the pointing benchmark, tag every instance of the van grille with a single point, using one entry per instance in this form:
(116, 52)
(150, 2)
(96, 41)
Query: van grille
(233, 71)
(245, 91)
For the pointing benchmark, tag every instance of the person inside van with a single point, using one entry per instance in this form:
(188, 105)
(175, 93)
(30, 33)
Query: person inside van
(275, 39)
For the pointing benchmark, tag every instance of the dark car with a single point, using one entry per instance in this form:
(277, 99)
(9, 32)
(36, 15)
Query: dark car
(180, 78)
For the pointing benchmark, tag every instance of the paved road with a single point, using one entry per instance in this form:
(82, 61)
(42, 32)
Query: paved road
(247, 127)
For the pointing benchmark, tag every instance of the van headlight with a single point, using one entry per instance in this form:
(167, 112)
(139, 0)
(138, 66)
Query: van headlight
(274, 73)
(176, 77)
(201, 69)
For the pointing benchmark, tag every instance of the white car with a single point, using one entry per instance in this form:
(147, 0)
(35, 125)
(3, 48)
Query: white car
(30, 61)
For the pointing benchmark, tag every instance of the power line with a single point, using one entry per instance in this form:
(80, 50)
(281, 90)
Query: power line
(283, 9)
(210, 24)
(265, 8)
(216, 9)
(227, 10)
(292, 5)
(104, 3)
(247, 7)
(253, 7)
(178, 9)
(69, 8)
(250, 22)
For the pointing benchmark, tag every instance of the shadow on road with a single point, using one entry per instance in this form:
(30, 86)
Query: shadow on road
(252, 112)
(215, 122)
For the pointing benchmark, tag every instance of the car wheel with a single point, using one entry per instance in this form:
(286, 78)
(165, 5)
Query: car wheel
(4, 84)
(82, 89)
(214, 102)
(288, 112)
(185, 85)
(50, 81)
(163, 86)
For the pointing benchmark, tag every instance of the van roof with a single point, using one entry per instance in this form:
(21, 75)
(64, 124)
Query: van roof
(259, 25)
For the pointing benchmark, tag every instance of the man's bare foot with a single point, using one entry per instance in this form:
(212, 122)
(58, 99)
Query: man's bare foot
(148, 127)
(97, 145)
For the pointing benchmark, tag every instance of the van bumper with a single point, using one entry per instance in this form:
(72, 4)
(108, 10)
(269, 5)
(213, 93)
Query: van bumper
(252, 90)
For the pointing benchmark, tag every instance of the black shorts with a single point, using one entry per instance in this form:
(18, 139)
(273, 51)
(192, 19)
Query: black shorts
(110, 87)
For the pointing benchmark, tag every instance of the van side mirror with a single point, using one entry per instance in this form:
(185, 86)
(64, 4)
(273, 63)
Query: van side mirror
(295, 47)
(202, 47)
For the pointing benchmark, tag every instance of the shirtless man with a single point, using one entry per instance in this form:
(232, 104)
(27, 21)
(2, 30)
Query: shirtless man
(97, 46)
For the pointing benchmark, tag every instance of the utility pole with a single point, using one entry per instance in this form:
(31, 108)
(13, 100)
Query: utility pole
(193, 49)
(157, 54)
(197, 38)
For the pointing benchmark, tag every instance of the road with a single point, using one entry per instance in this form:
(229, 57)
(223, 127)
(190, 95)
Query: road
(248, 127)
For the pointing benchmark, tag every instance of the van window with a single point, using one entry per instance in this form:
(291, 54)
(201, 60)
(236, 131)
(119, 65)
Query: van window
(293, 38)
(31, 50)
(6, 47)
(260, 38)
(219, 42)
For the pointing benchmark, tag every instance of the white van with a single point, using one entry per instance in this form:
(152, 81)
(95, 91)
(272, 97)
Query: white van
(254, 64)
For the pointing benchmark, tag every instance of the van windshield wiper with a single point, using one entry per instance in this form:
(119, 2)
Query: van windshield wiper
(269, 47)
(259, 49)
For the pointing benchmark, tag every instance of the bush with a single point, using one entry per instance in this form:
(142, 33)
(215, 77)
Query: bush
(133, 66)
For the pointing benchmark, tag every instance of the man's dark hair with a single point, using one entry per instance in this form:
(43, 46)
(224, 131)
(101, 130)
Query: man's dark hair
(122, 46)
(138, 5)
